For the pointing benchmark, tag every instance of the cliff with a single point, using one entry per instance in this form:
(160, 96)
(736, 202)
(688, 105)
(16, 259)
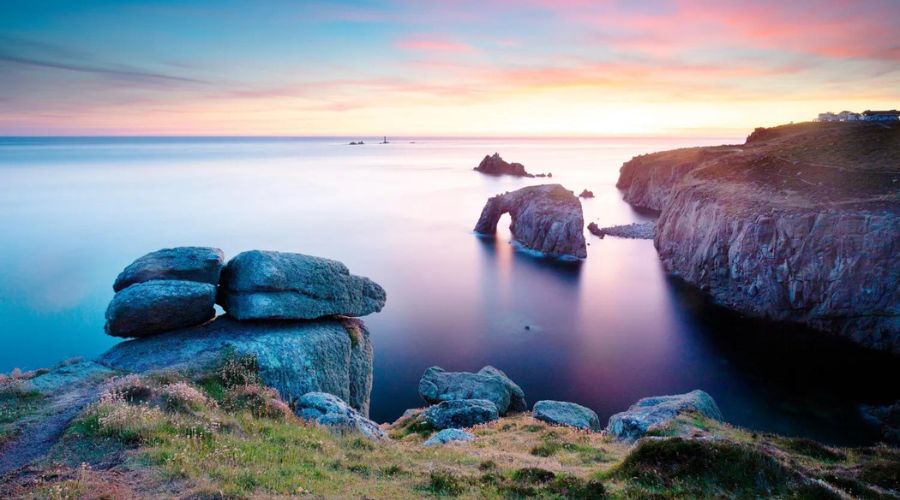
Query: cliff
(800, 223)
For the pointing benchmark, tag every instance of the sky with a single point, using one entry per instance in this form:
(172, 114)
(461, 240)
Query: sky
(453, 67)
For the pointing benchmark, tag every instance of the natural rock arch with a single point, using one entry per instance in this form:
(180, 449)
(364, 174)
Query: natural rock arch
(547, 218)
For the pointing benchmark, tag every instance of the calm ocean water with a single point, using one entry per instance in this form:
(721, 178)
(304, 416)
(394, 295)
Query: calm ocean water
(74, 212)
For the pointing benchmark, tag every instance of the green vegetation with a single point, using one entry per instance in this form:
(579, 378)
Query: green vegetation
(16, 404)
(220, 434)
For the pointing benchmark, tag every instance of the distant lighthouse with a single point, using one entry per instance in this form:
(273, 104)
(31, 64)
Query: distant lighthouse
(385, 141)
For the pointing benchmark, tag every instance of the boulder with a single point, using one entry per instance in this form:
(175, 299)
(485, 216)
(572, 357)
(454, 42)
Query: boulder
(294, 357)
(157, 306)
(448, 436)
(460, 413)
(200, 264)
(586, 194)
(277, 285)
(329, 410)
(437, 385)
(546, 218)
(653, 412)
(565, 413)
(495, 165)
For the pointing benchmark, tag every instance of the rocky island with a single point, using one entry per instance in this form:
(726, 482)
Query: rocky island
(800, 223)
(495, 165)
(546, 218)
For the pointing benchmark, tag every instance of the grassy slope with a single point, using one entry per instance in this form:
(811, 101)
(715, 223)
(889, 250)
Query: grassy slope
(224, 436)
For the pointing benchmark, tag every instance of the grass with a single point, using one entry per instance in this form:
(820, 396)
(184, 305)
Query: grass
(208, 447)
(15, 405)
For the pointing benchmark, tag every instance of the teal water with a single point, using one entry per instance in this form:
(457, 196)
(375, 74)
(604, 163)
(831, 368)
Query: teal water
(75, 211)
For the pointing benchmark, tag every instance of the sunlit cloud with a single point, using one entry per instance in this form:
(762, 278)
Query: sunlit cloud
(489, 67)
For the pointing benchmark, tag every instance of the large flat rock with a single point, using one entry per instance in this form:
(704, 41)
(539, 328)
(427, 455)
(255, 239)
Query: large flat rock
(200, 264)
(279, 285)
(294, 357)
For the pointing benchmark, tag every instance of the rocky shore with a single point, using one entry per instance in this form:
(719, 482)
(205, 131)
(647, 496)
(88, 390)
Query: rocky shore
(801, 223)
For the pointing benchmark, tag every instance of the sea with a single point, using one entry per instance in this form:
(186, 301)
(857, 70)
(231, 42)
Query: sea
(603, 332)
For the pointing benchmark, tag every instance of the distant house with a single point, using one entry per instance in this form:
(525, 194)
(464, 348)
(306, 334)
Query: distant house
(881, 116)
(843, 116)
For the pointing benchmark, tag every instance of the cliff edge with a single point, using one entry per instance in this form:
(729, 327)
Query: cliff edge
(800, 223)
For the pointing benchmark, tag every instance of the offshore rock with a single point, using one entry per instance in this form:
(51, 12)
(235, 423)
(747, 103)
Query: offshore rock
(278, 285)
(495, 165)
(546, 218)
(635, 231)
(294, 357)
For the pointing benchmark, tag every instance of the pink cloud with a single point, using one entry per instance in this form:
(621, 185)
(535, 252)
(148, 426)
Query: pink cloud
(431, 44)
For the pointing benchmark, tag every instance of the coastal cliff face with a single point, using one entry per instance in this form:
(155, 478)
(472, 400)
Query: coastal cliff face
(801, 223)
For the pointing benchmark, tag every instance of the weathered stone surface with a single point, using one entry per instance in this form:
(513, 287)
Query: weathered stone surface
(565, 413)
(460, 413)
(278, 285)
(495, 165)
(329, 410)
(294, 357)
(652, 412)
(200, 264)
(448, 436)
(437, 385)
(546, 218)
(158, 306)
(801, 224)
(637, 230)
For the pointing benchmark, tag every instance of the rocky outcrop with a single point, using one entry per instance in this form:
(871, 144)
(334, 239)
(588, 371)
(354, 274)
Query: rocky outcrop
(278, 285)
(635, 231)
(489, 383)
(586, 194)
(801, 224)
(546, 218)
(566, 413)
(330, 411)
(654, 412)
(460, 413)
(447, 436)
(294, 357)
(200, 264)
(158, 306)
(495, 165)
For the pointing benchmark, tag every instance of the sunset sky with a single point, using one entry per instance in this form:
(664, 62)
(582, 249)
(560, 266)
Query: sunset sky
(480, 67)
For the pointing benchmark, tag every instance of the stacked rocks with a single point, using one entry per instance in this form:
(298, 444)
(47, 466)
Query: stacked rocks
(178, 287)
(165, 290)
(299, 333)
